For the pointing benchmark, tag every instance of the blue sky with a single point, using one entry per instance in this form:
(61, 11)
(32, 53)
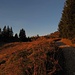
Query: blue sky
(35, 16)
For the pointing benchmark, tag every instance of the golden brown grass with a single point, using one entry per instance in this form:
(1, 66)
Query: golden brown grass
(67, 42)
(31, 58)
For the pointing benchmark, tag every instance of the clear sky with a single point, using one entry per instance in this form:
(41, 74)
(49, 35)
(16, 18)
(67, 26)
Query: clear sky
(35, 16)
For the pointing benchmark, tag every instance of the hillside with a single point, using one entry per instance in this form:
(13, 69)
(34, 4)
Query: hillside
(40, 57)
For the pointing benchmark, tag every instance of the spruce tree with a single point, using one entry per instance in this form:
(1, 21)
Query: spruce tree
(22, 35)
(67, 22)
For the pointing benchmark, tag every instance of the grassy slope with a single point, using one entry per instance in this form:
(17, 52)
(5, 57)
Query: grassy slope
(39, 57)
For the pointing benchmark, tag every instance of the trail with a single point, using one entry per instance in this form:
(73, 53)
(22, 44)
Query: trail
(69, 55)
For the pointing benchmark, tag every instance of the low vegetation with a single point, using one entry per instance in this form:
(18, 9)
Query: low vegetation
(40, 57)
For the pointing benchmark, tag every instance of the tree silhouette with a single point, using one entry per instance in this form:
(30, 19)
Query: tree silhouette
(6, 35)
(11, 32)
(67, 22)
(16, 35)
(22, 35)
(0, 34)
(4, 32)
(16, 39)
(0, 30)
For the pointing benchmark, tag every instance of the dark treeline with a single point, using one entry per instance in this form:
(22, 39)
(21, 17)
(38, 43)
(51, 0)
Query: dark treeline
(6, 35)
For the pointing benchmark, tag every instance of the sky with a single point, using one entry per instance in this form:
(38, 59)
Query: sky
(35, 16)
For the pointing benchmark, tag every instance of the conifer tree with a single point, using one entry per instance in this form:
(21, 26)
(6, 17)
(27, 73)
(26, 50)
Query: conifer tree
(4, 32)
(16, 35)
(4, 29)
(22, 35)
(11, 32)
(7, 34)
(0, 31)
(67, 22)
(0, 34)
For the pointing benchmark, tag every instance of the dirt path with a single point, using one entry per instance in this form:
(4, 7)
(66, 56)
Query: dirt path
(69, 54)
